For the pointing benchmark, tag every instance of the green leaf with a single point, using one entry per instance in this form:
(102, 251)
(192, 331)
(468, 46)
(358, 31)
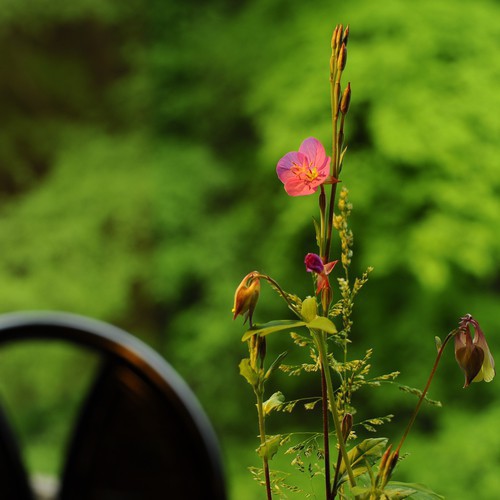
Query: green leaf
(419, 491)
(246, 371)
(362, 492)
(275, 401)
(271, 327)
(270, 447)
(362, 456)
(275, 365)
(318, 323)
(309, 310)
(322, 323)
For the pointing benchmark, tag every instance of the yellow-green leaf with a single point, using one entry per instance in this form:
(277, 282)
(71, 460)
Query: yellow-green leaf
(248, 372)
(363, 456)
(275, 401)
(271, 327)
(270, 447)
(322, 323)
(309, 310)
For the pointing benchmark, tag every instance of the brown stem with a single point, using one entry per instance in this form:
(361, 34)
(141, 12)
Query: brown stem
(424, 392)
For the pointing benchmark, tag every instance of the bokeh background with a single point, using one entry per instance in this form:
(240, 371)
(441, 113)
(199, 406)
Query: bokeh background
(137, 177)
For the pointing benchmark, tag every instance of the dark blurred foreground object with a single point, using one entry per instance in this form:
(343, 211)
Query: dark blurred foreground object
(141, 433)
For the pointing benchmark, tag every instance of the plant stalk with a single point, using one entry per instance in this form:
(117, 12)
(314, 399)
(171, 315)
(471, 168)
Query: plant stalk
(320, 339)
(326, 433)
(262, 434)
(424, 392)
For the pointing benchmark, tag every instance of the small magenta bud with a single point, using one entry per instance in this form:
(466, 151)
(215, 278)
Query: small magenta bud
(313, 263)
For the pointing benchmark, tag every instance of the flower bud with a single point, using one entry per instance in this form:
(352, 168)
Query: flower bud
(246, 296)
(473, 354)
(347, 423)
(346, 99)
(313, 263)
(342, 58)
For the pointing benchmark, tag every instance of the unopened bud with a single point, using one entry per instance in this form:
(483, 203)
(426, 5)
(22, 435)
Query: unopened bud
(387, 465)
(342, 58)
(385, 457)
(246, 296)
(347, 422)
(334, 37)
(338, 35)
(346, 99)
(345, 38)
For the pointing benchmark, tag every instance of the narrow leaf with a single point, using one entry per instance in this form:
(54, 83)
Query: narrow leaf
(419, 491)
(271, 327)
(276, 364)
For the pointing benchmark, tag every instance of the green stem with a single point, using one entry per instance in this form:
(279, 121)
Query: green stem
(334, 96)
(326, 433)
(424, 392)
(262, 434)
(320, 339)
(336, 477)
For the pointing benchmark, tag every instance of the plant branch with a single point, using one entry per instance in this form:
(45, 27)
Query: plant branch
(424, 392)
(262, 433)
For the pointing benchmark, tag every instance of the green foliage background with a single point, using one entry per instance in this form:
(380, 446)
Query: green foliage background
(137, 155)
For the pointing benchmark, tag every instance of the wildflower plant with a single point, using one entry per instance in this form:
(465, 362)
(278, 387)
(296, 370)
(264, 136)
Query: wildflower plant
(321, 326)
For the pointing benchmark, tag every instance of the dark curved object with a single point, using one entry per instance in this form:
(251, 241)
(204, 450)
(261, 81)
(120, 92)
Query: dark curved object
(141, 433)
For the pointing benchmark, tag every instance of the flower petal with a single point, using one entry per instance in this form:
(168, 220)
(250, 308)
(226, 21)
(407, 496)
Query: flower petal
(314, 263)
(295, 186)
(329, 267)
(314, 151)
(487, 372)
(285, 164)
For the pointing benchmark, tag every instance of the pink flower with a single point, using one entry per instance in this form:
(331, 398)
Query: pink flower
(314, 264)
(303, 171)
